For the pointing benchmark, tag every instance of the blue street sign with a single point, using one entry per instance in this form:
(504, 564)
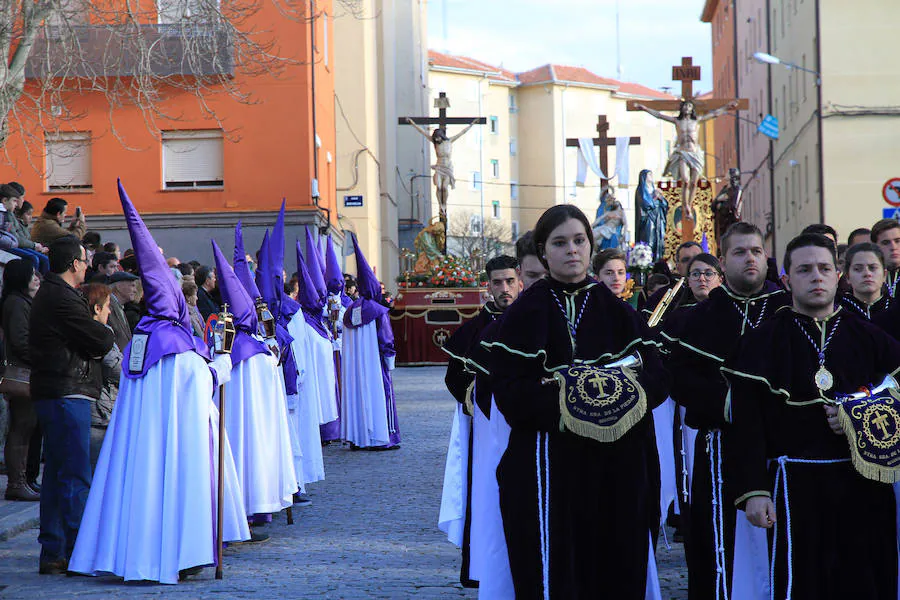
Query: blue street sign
(891, 213)
(769, 127)
(353, 200)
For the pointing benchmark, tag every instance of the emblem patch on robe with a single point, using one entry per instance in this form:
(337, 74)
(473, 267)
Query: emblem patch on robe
(872, 426)
(599, 403)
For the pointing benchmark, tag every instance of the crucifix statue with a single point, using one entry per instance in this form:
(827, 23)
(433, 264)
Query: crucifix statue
(443, 179)
(687, 159)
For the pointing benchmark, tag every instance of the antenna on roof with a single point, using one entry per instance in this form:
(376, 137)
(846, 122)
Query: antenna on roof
(619, 69)
(444, 25)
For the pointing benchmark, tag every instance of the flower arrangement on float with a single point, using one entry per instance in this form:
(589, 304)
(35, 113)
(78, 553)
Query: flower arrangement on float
(448, 272)
(640, 262)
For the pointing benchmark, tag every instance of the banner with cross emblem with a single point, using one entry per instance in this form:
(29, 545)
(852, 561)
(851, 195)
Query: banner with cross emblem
(872, 425)
(600, 403)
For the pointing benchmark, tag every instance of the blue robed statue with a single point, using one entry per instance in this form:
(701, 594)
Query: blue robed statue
(609, 223)
(654, 208)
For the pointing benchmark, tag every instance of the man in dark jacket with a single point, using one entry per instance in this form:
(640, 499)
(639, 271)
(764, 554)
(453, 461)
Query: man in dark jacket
(205, 277)
(124, 290)
(66, 345)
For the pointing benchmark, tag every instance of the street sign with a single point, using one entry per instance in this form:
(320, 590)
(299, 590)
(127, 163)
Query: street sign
(351, 201)
(891, 191)
(891, 213)
(769, 127)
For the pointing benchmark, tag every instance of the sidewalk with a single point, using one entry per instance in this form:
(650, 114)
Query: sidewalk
(16, 517)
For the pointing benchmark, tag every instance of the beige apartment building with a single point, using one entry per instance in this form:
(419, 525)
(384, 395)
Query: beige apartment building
(835, 149)
(380, 74)
(517, 165)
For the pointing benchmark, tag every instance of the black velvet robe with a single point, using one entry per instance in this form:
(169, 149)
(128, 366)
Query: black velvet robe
(459, 380)
(698, 341)
(843, 526)
(602, 508)
(861, 309)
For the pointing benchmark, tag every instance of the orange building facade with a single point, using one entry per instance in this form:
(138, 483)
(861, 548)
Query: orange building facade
(192, 171)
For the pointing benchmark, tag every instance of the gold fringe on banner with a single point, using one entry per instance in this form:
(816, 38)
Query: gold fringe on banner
(601, 433)
(857, 442)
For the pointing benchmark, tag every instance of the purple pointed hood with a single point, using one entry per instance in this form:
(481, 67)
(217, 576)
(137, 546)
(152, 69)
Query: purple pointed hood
(168, 323)
(334, 277)
(264, 281)
(366, 308)
(308, 296)
(241, 307)
(314, 265)
(241, 268)
(276, 246)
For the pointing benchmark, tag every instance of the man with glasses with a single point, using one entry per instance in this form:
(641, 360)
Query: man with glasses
(66, 345)
(699, 342)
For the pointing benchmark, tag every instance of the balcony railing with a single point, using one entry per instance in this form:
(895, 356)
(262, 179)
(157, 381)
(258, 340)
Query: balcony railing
(189, 49)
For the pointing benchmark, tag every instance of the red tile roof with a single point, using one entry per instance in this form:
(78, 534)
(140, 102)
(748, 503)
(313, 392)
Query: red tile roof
(439, 59)
(544, 74)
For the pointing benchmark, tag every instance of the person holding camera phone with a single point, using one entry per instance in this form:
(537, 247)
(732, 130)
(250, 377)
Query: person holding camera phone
(51, 226)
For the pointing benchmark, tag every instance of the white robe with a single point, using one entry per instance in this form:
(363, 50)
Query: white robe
(489, 540)
(664, 425)
(321, 351)
(304, 406)
(151, 511)
(364, 421)
(452, 516)
(257, 425)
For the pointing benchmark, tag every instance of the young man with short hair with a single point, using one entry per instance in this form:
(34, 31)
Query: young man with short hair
(530, 267)
(859, 236)
(789, 465)
(886, 233)
(504, 285)
(699, 342)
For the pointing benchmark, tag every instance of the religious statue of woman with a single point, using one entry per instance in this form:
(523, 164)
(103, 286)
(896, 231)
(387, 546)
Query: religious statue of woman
(609, 224)
(654, 208)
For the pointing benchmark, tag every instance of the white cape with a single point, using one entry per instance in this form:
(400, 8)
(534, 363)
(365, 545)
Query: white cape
(303, 408)
(488, 539)
(321, 353)
(664, 424)
(152, 506)
(257, 425)
(364, 421)
(452, 517)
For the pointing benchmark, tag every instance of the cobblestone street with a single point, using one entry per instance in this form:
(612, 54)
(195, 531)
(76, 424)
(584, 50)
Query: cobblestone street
(370, 533)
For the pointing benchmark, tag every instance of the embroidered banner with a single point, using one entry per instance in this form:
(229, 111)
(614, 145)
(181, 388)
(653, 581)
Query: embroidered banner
(872, 426)
(599, 403)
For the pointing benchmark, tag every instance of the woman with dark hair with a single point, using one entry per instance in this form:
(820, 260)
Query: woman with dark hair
(20, 284)
(97, 295)
(577, 496)
(704, 274)
(866, 275)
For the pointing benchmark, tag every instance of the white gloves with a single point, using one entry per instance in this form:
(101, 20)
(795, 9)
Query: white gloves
(222, 367)
(389, 361)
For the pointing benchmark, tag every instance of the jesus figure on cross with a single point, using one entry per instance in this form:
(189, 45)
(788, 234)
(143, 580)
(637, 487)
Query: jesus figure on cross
(686, 162)
(443, 178)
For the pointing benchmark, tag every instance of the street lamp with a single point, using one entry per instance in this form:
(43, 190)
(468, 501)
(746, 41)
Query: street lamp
(768, 59)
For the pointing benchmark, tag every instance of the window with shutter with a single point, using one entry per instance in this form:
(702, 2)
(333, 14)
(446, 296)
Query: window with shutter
(68, 165)
(193, 159)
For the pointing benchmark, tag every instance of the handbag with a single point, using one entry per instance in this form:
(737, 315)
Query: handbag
(15, 381)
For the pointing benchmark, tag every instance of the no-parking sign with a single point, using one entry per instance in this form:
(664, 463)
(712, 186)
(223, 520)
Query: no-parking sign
(891, 191)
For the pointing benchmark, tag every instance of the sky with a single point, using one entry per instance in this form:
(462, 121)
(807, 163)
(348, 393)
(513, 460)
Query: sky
(523, 34)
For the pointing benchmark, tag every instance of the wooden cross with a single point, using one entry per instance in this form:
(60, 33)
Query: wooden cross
(442, 120)
(603, 143)
(442, 103)
(687, 73)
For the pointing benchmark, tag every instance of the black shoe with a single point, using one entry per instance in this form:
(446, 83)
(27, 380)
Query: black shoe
(22, 493)
(54, 567)
(302, 500)
(190, 572)
(257, 538)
